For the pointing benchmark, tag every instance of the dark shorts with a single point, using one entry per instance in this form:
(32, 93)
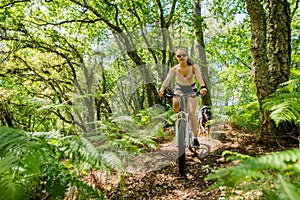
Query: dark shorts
(186, 88)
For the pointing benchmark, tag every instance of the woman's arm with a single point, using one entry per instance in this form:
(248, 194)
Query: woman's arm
(197, 72)
(198, 75)
(167, 80)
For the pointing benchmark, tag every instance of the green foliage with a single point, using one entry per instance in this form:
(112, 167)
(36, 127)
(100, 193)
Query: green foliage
(47, 165)
(233, 87)
(245, 115)
(295, 41)
(127, 135)
(284, 104)
(226, 11)
(277, 175)
(234, 156)
(19, 109)
(110, 138)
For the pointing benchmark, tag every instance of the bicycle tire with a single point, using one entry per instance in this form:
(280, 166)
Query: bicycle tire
(181, 146)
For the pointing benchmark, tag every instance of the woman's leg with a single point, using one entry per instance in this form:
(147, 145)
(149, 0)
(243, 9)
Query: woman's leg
(176, 106)
(192, 104)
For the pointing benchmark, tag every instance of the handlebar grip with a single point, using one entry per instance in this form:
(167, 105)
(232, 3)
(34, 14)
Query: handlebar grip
(168, 95)
(196, 94)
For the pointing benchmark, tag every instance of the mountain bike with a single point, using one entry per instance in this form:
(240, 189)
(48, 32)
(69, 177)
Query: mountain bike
(184, 134)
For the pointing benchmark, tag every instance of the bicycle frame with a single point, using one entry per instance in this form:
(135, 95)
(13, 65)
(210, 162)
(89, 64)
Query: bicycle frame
(183, 133)
(183, 115)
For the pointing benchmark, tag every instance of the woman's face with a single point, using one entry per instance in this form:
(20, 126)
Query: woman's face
(181, 55)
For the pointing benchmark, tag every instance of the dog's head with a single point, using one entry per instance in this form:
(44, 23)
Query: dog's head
(206, 112)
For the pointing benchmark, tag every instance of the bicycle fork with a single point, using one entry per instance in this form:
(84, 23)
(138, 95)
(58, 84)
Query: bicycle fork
(185, 118)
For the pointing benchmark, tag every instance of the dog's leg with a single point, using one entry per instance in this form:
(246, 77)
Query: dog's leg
(204, 132)
(199, 128)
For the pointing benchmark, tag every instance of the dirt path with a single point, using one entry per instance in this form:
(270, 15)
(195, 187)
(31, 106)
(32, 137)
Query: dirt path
(165, 155)
(154, 175)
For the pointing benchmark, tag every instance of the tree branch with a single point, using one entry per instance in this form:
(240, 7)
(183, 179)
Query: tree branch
(295, 9)
(90, 21)
(171, 14)
(13, 3)
(96, 13)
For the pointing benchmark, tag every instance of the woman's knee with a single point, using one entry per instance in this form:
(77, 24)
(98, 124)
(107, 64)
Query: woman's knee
(176, 107)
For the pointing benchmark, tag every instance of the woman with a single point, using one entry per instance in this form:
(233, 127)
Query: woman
(185, 72)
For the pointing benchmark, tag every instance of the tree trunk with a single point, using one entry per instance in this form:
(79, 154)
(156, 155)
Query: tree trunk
(270, 64)
(260, 71)
(129, 74)
(279, 48)
(101, 102)
(151, 92)
(279, 41)
(200, 49)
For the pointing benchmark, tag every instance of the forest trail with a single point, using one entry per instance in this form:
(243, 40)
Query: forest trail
(154, 175)
(166, 153)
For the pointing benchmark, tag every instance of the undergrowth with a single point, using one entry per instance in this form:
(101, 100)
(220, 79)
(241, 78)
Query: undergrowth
(277, 175)
(47, 166)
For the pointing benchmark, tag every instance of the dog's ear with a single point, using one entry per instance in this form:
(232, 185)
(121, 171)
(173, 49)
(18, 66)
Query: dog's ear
(203, 108)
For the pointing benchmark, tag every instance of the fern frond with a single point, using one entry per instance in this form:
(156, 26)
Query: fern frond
(290, 86)
(121, 144)
(284, 104)
(245, 115)
(43, 165)
(269, 172)
(287, 189)
(234, 156)
(125, 122)
(10, 190)
(113, 160)
(288, 111)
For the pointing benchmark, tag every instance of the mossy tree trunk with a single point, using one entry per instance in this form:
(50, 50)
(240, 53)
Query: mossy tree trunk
(200, 49)
(271, 53)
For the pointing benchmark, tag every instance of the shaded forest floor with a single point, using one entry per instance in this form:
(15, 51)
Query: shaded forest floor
(159, 179)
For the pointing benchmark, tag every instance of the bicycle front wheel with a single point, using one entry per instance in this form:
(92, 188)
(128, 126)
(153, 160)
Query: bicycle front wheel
(181, 145)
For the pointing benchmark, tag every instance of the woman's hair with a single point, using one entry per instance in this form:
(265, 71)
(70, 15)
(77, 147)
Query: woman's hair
(189, 61)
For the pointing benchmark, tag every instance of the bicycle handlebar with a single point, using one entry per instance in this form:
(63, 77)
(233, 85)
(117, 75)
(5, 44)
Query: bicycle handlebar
(192, 94)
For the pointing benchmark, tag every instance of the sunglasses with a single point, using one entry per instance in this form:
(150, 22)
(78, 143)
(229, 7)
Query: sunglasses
(181, 55)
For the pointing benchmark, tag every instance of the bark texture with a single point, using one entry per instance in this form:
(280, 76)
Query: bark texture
(271, 57)
(279, 41)
(200, 49)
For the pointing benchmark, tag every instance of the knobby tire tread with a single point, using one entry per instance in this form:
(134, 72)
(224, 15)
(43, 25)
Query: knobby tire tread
(181, 146)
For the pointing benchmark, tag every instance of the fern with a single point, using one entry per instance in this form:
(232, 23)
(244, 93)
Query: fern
(124, 134)
(113, 160)
(45, 166)
(235, 156)
(276, 174)
(245, 115)
(284, 104)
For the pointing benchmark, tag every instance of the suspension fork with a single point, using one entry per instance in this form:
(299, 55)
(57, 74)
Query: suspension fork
(183, 115)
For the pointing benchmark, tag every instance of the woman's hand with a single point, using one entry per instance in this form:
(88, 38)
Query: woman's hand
(203, 92)
(161, 93)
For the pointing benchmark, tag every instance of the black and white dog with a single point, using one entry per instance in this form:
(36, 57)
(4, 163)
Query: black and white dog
(204, 115)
